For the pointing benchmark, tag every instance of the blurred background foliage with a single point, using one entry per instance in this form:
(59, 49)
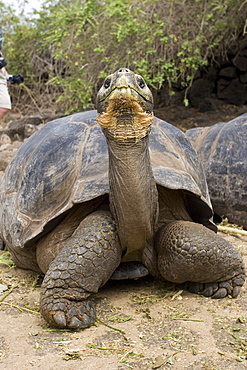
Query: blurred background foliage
(65, 49)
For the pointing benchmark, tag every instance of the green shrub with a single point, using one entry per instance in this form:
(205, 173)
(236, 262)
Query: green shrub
(77, 43)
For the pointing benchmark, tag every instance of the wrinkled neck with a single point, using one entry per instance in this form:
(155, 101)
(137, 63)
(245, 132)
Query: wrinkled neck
(133, 194)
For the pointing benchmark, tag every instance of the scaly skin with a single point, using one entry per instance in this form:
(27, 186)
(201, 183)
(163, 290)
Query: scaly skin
(189, 252)
(79, 270)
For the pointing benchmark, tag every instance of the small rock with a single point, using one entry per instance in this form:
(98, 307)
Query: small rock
(3, 288)
(240, 61)
(4, 147)
(16, 125)
(235, 93)
(243, 78)
(29, 130)
(3, 165)
(200, 90)
(229, 72)
(5, 139)
(221, 85)
(212, 73)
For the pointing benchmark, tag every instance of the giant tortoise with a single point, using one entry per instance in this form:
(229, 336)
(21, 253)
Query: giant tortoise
(222, 149)
(82, 206)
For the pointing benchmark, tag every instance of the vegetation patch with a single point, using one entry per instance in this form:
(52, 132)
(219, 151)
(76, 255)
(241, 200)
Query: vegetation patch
(70, 46)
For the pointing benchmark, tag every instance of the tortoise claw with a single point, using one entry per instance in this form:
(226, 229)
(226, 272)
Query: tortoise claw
(216, 290)
(221, 293)
(209, 289)
(60, 319)
(236, 291)
(68, 314)
(75, 323)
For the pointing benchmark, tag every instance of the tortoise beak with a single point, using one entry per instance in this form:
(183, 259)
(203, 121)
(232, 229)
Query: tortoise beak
(123, 83)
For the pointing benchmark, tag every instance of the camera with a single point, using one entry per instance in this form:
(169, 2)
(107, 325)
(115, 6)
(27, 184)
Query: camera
(15, 79)
(2, 62)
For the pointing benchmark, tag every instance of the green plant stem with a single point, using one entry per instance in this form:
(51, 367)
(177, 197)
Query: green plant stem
(20, 308)
(102, 348)
(109, 326)
(186, 319)
(6, 294)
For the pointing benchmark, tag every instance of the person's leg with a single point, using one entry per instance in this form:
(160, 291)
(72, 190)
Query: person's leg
(3, 111)
(5, 102)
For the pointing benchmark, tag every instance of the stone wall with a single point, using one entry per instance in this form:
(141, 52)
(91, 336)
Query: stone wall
(224, 81)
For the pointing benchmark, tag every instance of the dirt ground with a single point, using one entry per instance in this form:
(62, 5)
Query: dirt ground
(143, 324)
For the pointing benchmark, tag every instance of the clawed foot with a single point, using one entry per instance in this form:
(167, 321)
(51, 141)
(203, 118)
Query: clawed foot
(63, 313)
(230, 287)
(129, 270)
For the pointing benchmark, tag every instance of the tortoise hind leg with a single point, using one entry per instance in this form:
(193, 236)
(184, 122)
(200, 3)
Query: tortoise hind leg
(191, 253)
(85, 264)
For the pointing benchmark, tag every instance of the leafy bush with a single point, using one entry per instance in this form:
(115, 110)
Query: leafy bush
(74, 44)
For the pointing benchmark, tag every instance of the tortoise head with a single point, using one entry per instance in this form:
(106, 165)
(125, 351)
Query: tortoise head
(125, 106)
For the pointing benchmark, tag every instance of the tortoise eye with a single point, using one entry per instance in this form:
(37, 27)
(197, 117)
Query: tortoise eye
(107, 83)
(141, 83)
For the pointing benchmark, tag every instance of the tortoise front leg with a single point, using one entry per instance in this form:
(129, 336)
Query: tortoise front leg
(87, 261)
(189, 252)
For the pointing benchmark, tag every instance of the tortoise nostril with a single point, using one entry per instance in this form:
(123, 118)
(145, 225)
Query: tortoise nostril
(123, 70)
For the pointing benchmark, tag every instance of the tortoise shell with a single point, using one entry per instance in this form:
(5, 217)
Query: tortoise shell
(222, 149)
(66, 163)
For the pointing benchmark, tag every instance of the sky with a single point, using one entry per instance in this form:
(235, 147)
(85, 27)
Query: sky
(28, 5)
